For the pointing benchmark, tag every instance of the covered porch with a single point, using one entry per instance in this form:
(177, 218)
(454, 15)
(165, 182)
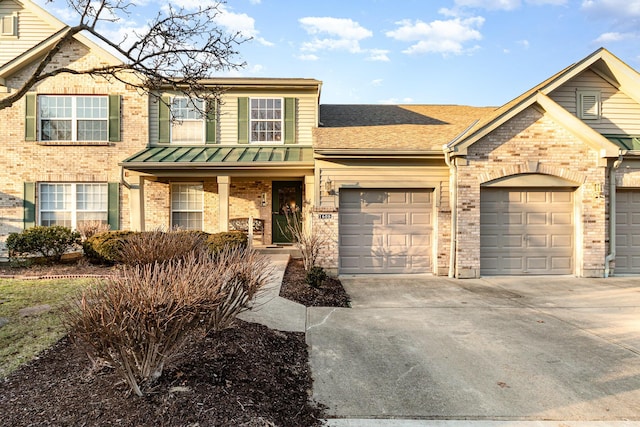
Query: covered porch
(218, 188)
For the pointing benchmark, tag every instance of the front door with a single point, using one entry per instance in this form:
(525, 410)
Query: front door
(286, 200)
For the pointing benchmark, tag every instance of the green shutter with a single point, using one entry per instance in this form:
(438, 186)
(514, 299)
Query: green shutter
(211, 125)
(113, 206)
(243, 120)
(114, 118)
(289, 120)
(29, 204)
(164, 120)
(30, 129)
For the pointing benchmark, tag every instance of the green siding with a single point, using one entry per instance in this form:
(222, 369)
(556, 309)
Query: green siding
(29, 204)
(30, 123)
(114, 118)
(289, 120)
(113, 206)
(243, 120)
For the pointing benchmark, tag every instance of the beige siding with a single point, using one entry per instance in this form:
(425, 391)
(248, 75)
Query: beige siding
(31, 31)
(372, 175)
(306, 116)
(620, 113)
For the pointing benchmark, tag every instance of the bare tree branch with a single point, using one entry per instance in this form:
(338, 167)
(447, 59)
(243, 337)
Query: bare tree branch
(177, 50)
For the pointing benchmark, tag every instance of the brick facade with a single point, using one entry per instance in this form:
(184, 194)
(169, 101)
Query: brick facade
(532, 142)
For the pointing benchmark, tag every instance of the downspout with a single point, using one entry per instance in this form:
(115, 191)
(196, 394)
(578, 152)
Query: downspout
(453, 203)
(123, 181)
(612, 215)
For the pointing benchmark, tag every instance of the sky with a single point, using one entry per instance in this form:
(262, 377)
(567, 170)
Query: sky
(465, 52)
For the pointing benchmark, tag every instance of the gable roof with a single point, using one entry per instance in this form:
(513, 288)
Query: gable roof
(391, 129)
(40, 49)
(602, 62)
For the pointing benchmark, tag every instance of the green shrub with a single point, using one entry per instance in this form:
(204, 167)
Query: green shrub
(49, 242)
(316, 276)
(228, 239)
(105, 248)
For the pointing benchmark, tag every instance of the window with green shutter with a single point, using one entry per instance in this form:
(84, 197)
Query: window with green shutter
(267, 120)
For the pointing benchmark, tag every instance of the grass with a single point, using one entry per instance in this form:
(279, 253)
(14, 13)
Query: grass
(24, 337)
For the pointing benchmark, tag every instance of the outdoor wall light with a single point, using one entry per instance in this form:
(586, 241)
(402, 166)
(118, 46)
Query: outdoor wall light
(263, 199)
(328, 186)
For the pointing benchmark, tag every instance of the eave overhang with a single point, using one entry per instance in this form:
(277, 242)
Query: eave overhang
(153, 160)
(361, 153)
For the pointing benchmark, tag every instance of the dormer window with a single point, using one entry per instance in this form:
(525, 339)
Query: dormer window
(589, 107)
(9, 25)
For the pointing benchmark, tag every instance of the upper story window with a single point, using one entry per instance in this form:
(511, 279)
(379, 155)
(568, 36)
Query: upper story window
(589, 106)
(73, 118)
(266, 116)
(9, 25)
(188, 124)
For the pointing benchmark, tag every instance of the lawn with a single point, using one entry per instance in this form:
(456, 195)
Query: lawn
(24, 336)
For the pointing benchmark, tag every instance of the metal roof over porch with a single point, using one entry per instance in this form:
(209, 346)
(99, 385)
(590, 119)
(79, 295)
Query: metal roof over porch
(225, 157)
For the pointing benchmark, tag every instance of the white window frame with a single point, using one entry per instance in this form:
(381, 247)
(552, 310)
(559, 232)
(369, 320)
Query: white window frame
(9, 25)
(583, 113)
(179, 120)
(74, 117)
(71, 205)
(280, 121)
(200, 210)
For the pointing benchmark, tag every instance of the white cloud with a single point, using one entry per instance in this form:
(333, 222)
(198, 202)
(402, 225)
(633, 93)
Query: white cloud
(523, 43)
(343, 34)
(255, 1)
(378, 55)
(376, 82)
(308, 57)
(616, 9)
(449, 36)
(614, 37)
(240, 22)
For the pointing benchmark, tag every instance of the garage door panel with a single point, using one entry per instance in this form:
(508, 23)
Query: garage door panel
(522, 231)
(397, 219)
(393, 232)
(627, 232)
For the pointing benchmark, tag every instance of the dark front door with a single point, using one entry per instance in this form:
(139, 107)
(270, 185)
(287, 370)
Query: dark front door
(286, 200)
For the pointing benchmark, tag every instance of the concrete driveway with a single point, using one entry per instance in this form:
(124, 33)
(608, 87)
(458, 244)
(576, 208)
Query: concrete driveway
(535, 348)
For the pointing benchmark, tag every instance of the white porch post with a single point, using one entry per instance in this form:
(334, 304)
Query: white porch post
(136, 203)
(223, 202)
(309, 193)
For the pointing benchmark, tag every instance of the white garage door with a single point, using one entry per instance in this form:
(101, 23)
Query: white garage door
(627, 232)
(385, 231)
(526, 231)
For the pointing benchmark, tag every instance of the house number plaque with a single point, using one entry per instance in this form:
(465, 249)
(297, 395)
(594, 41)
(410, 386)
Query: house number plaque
(325, 216)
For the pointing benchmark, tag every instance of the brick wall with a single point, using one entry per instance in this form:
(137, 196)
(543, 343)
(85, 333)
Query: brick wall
(29, 161)
(533, 143)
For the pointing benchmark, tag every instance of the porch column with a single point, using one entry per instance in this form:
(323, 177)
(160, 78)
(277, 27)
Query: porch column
(309, 192)
(136, 203)
(223, 202)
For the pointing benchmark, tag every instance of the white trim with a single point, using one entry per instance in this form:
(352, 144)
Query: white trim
(282, 112)
(171, 211)
(588, 105)
(12, 30)
(73, 202)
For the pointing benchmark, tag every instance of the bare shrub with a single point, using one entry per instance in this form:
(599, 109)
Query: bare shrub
(138, 320)
(158, 245)
(307, 241)
(244, 273)
(91, 228)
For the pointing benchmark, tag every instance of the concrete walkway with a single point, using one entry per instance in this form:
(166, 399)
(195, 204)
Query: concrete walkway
(496, 352)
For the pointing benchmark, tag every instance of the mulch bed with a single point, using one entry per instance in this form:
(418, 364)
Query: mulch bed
(248, 375)
(294, 288)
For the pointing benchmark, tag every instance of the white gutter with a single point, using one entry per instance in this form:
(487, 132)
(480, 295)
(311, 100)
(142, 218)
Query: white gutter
(612, 216)
(453, 203)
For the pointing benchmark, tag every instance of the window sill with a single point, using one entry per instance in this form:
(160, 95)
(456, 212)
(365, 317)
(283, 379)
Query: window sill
(75, 143)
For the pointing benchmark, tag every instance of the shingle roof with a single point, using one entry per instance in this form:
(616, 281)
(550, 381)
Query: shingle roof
(393, 127)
